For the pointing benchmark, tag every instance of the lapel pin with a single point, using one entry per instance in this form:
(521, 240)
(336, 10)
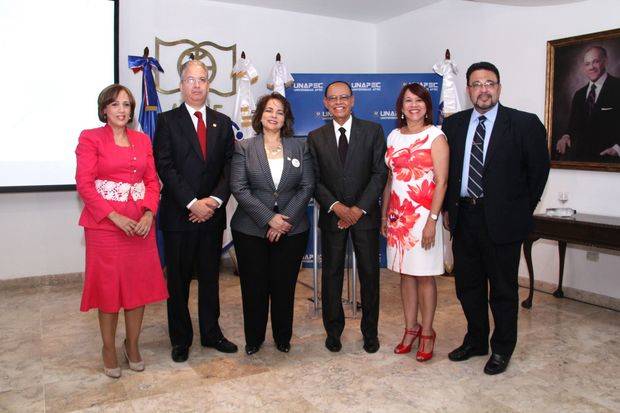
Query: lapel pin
(295, 162)
(215, 125)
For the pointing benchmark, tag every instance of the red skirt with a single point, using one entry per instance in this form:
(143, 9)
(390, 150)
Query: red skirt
(121, 271)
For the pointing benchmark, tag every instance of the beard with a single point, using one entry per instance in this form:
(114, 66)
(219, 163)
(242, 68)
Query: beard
(483, 105)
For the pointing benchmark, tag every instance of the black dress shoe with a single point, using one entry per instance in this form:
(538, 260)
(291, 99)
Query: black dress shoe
(333, 344)
(283, 347)
(250, 349)
(371, 344)
(180, 353)
(497, 364)
(465, 352)
(223, 345)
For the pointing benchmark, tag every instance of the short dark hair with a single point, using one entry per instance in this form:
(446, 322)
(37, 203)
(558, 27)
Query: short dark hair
(338, 81)
(482, 66)
(421, 92)
(287, 128)
(109, 95)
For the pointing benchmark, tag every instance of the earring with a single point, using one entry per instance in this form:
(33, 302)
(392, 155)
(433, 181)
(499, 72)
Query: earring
(402, 116)
(105, 116)
(426, 116)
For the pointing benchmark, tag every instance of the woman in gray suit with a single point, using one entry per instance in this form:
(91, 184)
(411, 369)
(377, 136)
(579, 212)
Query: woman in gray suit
(272, 179)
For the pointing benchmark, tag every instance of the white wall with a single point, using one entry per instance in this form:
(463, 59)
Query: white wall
(304, 41)
(40, 234)
(514, 38)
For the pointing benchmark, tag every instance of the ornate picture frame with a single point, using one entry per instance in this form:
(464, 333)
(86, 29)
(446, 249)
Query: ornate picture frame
(583, 122)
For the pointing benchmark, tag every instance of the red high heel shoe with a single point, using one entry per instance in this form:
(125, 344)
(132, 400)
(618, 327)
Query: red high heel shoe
(401, 348)
(422, 354)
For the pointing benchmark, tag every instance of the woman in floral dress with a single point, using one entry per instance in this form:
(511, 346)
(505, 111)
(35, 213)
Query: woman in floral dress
(417, 156)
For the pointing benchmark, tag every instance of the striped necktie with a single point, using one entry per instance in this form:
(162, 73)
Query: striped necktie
(476, 161)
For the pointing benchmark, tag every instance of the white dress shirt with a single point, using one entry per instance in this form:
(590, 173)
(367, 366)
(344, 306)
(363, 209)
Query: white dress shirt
(346, 126)
(599, 86)
(347, 133)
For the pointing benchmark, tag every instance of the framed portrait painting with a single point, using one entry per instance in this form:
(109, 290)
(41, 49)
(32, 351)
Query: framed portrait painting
(582, 108)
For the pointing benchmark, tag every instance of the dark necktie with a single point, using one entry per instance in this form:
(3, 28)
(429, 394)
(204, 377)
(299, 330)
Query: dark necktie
(201, 131)
(343, 145)
(591, 99)
(476, 161)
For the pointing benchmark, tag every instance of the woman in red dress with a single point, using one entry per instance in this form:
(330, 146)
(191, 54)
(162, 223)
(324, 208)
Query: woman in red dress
(117, 181)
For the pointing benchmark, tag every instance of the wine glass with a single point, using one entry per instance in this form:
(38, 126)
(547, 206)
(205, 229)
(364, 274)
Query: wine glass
(563, 197)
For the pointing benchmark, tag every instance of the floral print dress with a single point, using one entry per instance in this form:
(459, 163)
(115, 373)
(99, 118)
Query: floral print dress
(409, 158)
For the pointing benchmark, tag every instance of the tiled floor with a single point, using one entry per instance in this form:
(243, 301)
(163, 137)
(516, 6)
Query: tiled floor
(567, 360)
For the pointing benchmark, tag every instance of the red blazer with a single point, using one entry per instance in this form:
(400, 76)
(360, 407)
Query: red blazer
(99, 158)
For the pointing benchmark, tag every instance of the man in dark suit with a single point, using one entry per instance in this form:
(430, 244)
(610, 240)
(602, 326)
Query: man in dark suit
(593, 133)
(499, 165)
(350, 175)
(193, 146)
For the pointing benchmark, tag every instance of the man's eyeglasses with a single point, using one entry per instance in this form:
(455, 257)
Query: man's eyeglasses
(344, 98)
(489, 84)
(195, 80)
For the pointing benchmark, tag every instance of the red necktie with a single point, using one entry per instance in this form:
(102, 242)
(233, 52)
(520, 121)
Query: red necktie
(201, 131)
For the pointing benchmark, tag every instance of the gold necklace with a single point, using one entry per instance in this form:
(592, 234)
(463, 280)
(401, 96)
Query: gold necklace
(273, 150)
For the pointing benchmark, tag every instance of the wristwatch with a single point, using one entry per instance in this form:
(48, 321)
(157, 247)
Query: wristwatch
(434, 217)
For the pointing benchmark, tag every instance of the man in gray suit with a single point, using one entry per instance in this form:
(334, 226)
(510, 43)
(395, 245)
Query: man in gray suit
(350, 175)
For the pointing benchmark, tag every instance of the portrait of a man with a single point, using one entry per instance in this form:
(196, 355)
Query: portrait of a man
(585, 113)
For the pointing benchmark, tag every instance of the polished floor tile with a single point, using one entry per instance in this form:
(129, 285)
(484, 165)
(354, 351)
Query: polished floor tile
(567, 359)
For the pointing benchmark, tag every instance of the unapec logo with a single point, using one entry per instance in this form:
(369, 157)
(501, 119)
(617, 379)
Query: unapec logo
(366, 86)
(323, 115)
(308, 86)
(431, 86)
(385, 114)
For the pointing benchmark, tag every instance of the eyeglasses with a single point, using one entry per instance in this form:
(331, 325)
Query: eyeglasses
(195, 80)
(344, 98)
(489, 84)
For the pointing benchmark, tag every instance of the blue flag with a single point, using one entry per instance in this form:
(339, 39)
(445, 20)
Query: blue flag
(149, 109)
(150, 106)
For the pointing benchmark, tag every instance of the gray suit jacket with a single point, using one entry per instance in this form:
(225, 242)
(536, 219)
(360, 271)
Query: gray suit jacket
(360, 181)
(252, 186)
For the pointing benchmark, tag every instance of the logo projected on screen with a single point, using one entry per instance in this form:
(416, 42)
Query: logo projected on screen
(218, 59)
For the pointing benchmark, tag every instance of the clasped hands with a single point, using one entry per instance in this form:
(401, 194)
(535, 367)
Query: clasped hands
(347, 216)
(202, 210)
(130, 227)
(278, 226)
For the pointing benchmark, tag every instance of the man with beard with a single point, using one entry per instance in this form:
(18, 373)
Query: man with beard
(498, 169)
